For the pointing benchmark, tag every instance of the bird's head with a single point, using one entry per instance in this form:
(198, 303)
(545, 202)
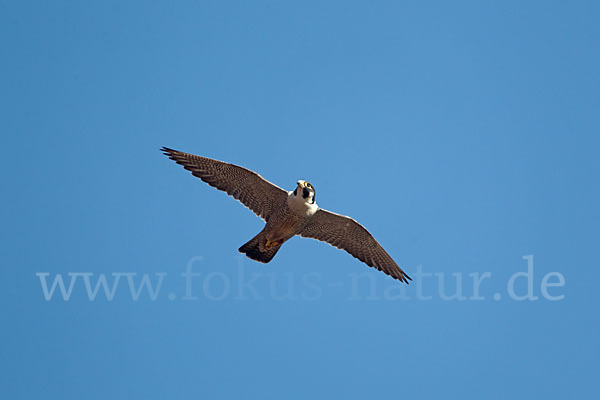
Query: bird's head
(306, 191)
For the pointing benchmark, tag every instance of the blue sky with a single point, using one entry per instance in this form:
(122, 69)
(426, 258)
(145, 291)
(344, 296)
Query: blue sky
(463, 135)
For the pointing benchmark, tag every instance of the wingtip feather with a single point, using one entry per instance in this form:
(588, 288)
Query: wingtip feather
(167, 151)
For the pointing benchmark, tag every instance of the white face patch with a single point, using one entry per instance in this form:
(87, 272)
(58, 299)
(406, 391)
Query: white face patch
(302, 200)
(306, 191)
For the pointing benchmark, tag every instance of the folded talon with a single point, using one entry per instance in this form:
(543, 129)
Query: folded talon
(270, 244)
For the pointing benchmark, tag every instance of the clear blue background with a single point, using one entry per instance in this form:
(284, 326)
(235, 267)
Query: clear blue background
(464, 135)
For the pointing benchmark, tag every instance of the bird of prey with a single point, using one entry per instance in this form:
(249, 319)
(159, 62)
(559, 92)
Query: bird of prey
(287, 214)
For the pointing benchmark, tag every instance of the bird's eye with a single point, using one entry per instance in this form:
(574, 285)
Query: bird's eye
(308, 185)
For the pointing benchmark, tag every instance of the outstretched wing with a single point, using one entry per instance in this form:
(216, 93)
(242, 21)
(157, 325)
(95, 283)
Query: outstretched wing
(251, 189)
(347, 234)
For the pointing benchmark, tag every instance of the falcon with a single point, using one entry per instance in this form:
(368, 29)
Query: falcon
(287, 214)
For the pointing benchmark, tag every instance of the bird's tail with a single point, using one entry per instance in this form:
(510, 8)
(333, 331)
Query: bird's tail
(252, 249)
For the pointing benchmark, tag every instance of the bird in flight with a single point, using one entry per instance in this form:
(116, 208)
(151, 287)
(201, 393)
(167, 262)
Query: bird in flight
(287, 214)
